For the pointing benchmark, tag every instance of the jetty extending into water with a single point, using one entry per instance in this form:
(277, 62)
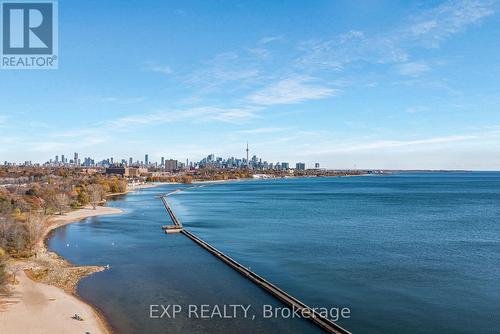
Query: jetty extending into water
(177, 227)
(299, 307)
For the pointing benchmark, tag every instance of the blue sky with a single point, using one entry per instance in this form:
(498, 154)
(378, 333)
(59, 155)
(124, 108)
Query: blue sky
(371, 84)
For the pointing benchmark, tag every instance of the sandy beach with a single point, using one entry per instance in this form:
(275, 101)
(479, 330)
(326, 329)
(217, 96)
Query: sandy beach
(41, 308)
(42, 298)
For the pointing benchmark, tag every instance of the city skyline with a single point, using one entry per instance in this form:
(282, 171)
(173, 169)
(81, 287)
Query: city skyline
(169, 163)
(377, 85)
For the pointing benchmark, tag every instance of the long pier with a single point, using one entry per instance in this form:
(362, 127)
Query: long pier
(170, 212)
(299, 307)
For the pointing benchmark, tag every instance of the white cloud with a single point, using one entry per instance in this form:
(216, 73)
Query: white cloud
(112, 99)
(427, 29)
(164, 69)
(124, 100)
(143, 119)
(269, 39)
(435, 25)
(416, 109)
(413, 68)
(5, 141)
(351, 47)
(228, 70)
(89, 131)
(390, 144)
(261, 53)
(58, 145)
(195, 114)
(291, 90)
(422, 28)
(229, 115)
(262, 130)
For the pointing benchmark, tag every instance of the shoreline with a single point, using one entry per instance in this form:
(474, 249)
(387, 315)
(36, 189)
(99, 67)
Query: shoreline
(44, 287)
(53, 280)
(47, 273)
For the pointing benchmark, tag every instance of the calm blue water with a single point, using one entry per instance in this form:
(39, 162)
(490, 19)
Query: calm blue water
(407, 253)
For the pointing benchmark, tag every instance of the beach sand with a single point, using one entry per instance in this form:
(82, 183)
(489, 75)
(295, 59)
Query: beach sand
(32, 306)
(77, 215)
(36, 308)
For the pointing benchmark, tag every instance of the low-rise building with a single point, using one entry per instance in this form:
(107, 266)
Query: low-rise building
(126, 171)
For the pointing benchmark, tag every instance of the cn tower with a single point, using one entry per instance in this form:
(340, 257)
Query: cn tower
(248, 162)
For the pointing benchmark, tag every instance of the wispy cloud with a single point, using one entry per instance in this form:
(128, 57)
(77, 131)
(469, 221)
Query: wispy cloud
(354, 46)
(261, 49)
(288, 78)
(230, 115)
(123, 100)
(391, 144)
(164, 69)
(427, 29)
(416, 109)
(433, 26)
(195, 114)
(7, 142)
(291, 90)
(261, 53)
(77, 142)
(227, 71)
(88, 131)
(262, 130)
(269, 39)
(413, 68)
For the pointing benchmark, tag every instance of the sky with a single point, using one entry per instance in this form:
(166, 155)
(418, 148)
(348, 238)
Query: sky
(348, 84)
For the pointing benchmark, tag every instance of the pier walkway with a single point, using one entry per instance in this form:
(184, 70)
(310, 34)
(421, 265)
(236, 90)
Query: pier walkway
(170, 212)
(299, 307)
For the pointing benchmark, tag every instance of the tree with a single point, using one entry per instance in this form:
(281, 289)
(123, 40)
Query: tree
(35, 226)
(83, 197)
(60, 202)
(96, 194)
(187, 179)
(17, 238)
(6, 226)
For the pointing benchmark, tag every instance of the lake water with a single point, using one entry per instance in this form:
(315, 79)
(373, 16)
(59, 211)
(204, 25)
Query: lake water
(407, 253)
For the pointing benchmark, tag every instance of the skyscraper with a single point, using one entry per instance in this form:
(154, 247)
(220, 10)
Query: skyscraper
(75, 158)
(170, 165)
(130, 161)
(146, 159)
(300, 166)
(162, 161)
(248, 163)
